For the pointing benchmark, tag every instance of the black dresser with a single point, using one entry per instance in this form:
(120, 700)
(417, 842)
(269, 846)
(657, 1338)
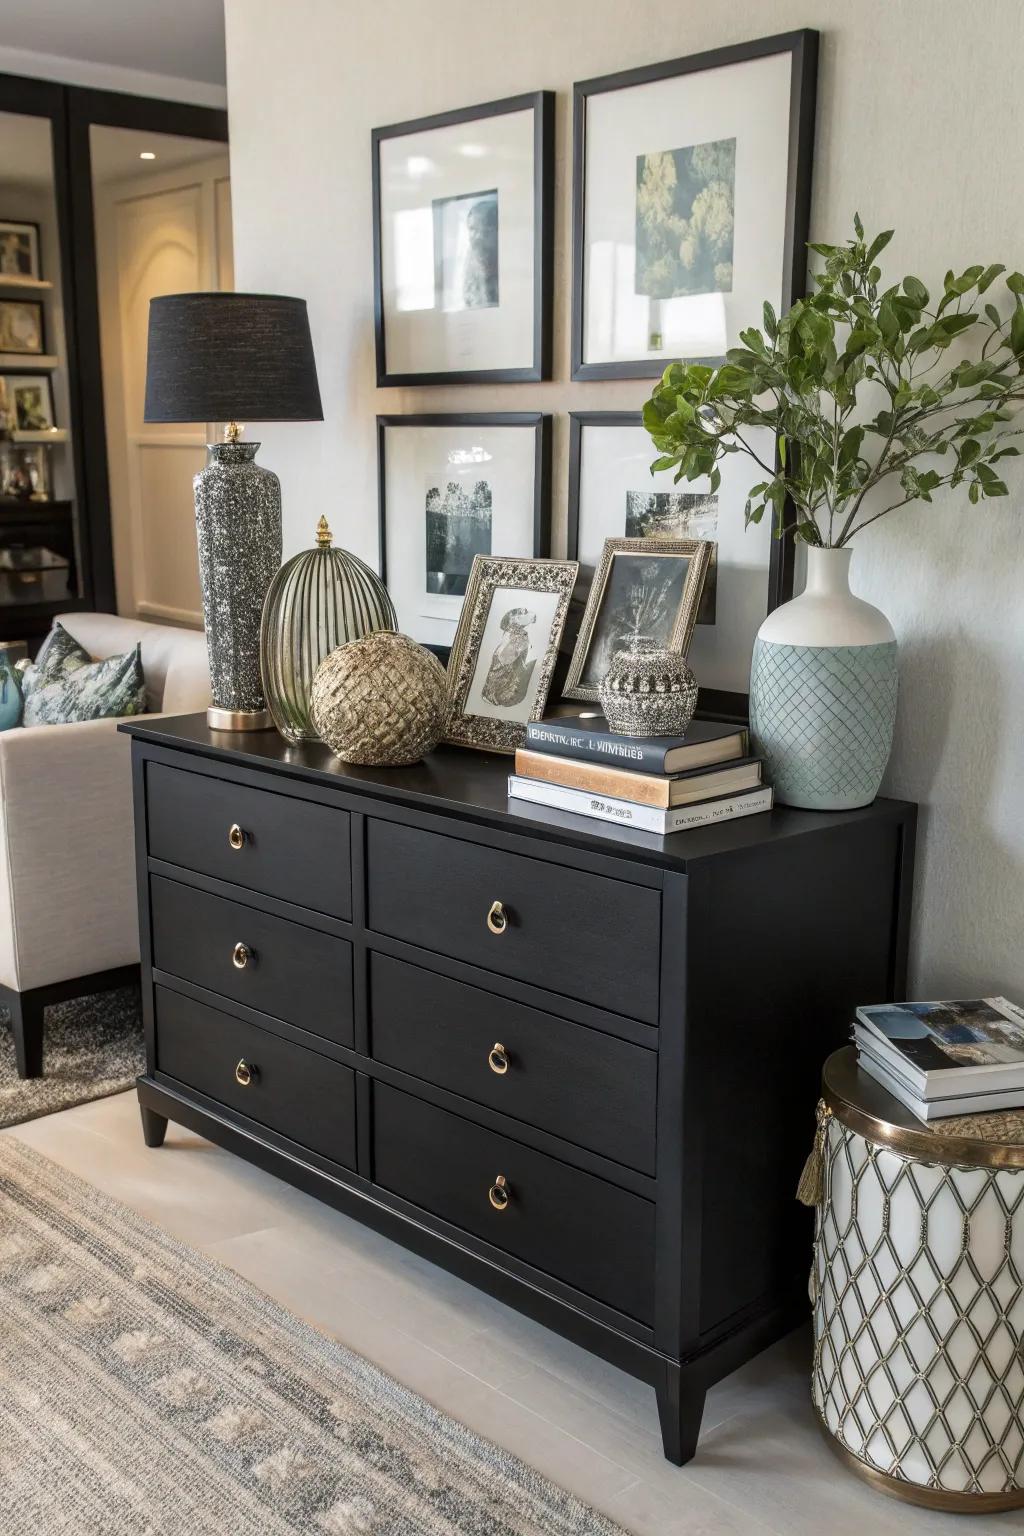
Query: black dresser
(574, 1065)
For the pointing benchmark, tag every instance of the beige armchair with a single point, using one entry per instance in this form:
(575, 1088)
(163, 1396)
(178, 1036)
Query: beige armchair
(68, 911)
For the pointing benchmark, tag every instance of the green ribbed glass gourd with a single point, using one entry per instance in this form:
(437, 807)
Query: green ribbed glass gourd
(320, 599)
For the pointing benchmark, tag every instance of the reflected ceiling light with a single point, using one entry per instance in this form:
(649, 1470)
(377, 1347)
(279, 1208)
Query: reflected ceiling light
(419, 165)
(473, 151)
(146, 154)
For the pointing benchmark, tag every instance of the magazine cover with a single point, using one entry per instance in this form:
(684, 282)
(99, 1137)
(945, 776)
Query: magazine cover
(940, 1035)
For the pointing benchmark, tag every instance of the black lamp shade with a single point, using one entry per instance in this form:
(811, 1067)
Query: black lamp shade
(230, 357)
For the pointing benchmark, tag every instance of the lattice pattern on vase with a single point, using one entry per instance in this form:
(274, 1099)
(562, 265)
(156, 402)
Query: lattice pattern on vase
(823, 718)
(918, 1286)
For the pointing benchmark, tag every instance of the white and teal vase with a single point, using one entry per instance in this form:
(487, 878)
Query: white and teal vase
(823, 687)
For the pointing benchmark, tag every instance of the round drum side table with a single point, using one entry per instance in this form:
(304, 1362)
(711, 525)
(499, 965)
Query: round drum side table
(918, 1292)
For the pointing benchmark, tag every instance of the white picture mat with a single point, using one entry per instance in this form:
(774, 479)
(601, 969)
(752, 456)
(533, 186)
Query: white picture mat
(615, 460)
(748, 102)
(415, 455)
(417, 168)
(545, 606)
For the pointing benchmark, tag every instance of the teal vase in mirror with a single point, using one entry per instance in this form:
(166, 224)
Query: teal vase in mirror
(10, 692)
(320, 599)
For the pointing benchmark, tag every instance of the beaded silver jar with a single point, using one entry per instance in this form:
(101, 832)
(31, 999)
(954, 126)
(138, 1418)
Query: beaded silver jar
(321, 599)
(648, 691)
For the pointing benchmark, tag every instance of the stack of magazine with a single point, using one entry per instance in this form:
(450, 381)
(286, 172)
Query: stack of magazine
(659, 784)
(950, 1058)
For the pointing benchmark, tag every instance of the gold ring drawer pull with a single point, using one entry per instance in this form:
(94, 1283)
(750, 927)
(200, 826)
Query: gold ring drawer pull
(245, 1073)
(236, 837)
(499, 1194)
(241, 956)
(497, 918)
(497, 1058)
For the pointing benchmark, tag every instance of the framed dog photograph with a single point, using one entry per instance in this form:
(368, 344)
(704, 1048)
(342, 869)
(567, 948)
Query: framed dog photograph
(504, 654)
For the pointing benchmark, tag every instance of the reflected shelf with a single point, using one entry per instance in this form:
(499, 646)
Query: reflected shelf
(28, 362)
(50, 435)
(25, 284)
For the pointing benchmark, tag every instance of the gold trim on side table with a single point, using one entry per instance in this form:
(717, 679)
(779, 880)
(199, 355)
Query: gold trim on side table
(946, 1499)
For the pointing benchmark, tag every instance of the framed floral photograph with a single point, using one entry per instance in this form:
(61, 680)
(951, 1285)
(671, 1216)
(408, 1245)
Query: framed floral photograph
(19, 249)
(648, 587)
(691, 201)
(21, 326)
(463, 229)
(451, 487)
(612, 495)
(503, 658)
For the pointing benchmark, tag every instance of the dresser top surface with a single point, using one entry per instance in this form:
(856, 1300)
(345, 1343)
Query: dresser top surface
(457, 781)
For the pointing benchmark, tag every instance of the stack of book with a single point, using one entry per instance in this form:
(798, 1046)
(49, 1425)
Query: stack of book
(950, 1058)
(662, 784)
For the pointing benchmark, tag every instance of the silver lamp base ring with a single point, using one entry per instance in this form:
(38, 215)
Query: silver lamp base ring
(239, 719)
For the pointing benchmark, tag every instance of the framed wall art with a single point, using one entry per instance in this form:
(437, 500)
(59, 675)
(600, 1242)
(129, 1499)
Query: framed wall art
(19, 249)
(21, 326)
(691, 197)
(641, 587)
(505, 650)
(29, 402)
(613, 495)
(463, 244)
(452, 487)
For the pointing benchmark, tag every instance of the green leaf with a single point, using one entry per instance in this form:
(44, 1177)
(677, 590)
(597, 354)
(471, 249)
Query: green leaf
(1017, 330)
(888, 323)
(916, 291)
(771, 323)
(1015, 283)
(989, 275)
(667, 461)
(993, 315)
(878, 245)
(974, 492)
(858, 227)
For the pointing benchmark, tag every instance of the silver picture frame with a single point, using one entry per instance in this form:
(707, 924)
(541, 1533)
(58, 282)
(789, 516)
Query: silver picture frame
(501, 668)
(580, 683)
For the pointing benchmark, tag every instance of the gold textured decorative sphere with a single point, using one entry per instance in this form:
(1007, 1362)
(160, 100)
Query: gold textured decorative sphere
(380, 700)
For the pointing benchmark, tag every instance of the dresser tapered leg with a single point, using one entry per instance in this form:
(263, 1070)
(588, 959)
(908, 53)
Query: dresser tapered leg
(154, 1126)
(27, 1028)
(680, 1408)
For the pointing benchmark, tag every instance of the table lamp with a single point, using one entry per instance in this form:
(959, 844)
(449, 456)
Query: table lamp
(233, 357)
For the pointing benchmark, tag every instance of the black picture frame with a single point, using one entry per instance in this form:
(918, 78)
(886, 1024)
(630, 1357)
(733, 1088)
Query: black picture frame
(29, 224)
(540, 421)
(40, 379)
(26, 303)
(542, 104)
(802, 46)
(713, 703)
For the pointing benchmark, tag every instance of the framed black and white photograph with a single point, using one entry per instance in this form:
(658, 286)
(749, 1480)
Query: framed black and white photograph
(642, 588)
(613, 495)
(691, 200)
(29, 402)
(504, 654)
(452, 487)
(19, 249)
(463, 244)
(21, 326)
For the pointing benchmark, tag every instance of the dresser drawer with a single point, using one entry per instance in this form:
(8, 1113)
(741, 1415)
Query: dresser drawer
(295, 1092)
(587, 1087)
(592, 1235)
(292, 972)
(566, 930)
(288, 848)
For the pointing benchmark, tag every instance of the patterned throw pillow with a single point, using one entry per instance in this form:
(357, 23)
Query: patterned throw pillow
(89, 690)
(59, 655)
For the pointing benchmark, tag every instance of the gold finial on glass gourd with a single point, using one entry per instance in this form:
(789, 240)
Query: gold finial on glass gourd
(320, 599)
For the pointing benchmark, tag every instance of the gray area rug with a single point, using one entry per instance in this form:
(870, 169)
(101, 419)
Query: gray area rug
(92, 1046)
(147, 1391)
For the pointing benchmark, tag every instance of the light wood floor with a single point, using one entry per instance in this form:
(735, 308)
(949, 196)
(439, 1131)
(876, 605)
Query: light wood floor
(761, 1466)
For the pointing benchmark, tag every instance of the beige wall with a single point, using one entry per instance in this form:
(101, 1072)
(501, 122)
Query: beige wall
(920, 124)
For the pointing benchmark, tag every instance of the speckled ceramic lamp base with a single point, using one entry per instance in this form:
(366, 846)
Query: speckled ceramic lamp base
(238, 524)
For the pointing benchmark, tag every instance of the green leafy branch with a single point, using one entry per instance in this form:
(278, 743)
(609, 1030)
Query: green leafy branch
(813, 377)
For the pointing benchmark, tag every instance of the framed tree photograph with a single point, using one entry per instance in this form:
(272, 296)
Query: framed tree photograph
(451, 487)
(463, 243)
(29, 402)
(691, 199)
(647, 587)
(503, 658)
(613, 495)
